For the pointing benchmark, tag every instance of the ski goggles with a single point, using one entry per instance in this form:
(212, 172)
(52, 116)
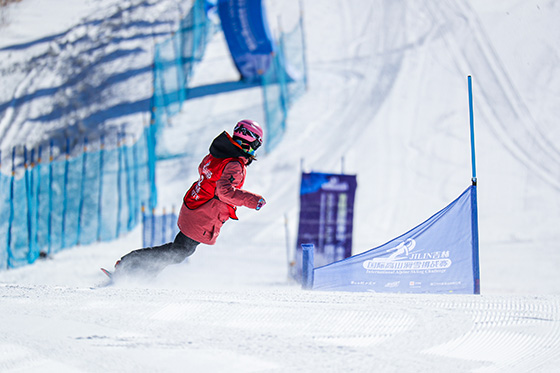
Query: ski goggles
(257, 140)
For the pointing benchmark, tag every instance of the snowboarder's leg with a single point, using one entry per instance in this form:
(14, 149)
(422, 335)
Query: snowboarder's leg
(187, 245)
(152, 260)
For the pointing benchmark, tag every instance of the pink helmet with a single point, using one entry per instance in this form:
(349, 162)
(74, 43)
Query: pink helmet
(250, 133)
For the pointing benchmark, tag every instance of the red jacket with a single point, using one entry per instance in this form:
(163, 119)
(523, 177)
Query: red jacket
(212, 200)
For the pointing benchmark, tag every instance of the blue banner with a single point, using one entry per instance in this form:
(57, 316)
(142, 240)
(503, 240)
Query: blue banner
(326, 216)
(438, 256)
(248, 36)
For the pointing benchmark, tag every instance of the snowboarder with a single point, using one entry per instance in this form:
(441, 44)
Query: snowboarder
(208, 203)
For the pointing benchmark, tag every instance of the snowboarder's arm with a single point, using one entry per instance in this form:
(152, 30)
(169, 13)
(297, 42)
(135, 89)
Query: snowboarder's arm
(228, 191)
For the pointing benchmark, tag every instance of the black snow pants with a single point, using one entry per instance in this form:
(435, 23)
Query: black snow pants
(152, 260)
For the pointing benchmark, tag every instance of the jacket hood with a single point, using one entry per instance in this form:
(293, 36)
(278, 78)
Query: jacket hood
(224, 146)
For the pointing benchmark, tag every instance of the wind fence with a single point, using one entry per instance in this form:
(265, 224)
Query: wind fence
(284, 82)
(54, 198)
(174, 60)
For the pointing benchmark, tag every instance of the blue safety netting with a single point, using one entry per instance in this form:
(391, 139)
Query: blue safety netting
(50, 204)
(283, 83)
(174, 60)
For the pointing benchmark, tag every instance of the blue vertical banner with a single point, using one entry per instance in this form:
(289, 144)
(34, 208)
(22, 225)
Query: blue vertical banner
(326, 217)
(438, 256)
(248, 36)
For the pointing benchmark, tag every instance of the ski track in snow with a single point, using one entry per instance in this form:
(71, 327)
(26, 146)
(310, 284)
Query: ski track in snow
(275, 330)
(508, 114)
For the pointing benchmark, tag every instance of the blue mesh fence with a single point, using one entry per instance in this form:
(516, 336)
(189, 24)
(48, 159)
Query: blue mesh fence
(174, 60)
(283, 83)
(5, 208)
(51, 204)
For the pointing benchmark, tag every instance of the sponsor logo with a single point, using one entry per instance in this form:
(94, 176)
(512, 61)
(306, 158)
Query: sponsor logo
(393, 284)
(403, 259)
(445, 283)
(206, 172)
(335, 185)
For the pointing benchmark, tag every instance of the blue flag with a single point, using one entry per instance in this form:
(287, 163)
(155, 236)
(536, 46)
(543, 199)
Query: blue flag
(248, 36)
(438, 256)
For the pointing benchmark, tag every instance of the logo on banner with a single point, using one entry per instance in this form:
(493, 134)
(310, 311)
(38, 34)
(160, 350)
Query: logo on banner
(335, 185)
(403, 259)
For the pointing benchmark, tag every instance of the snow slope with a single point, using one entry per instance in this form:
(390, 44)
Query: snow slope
(387, 96)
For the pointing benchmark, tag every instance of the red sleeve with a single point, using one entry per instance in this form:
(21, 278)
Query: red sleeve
(228, 187)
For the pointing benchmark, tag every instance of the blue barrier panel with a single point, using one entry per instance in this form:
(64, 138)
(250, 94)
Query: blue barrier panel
(158, 229)
(248, 36)
(438, 256)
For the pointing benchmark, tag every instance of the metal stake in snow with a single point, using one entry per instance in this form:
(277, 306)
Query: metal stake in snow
(472, 131)
(308, 266)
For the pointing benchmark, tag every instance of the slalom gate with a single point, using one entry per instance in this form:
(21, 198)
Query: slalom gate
(438, 256)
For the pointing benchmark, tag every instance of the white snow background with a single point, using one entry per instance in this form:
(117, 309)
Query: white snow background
(387, 101)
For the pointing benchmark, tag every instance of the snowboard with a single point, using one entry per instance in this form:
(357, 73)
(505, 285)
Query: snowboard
(108, 273)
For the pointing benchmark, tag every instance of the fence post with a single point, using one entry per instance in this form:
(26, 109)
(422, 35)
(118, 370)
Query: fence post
(153, 217)
(119, 172)
(49, 222)
(82, 184)
(29, 160)
(100, 187)
(65, 193)
(28, 202)
(128, 183)
(11, 218)
(144, 240)
(39, 160)
(135, 167)
(307, 270)
(163, 226)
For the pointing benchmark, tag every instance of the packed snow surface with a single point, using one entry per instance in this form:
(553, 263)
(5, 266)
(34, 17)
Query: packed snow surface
(387, 101)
